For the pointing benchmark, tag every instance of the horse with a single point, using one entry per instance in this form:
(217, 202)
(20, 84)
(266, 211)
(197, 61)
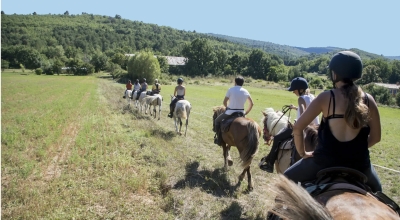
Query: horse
(127, 96)
(293, 202)
(244, 133)
(181, 111)
(136, 102)
(154, 101)
(276, 122)
(142, 103)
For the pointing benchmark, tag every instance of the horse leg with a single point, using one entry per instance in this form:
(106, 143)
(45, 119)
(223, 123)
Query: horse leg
(250, 180)
(159, 112)
(176, 124)
(241, 176)
(230, 161)
(187, 122)
(180, 126)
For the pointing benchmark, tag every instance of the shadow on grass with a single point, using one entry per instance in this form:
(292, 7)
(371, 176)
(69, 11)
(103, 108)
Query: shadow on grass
(234, 211)
(214, 182)
(166, 135)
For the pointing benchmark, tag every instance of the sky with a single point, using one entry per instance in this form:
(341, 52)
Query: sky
(369, 25)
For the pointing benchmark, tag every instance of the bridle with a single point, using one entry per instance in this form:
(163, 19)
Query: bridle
(266, 136)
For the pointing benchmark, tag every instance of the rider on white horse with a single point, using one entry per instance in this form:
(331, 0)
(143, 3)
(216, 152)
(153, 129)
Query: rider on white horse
(143, 88)
(299, 87)
(156, 87)
(179, 93)
(128, 87)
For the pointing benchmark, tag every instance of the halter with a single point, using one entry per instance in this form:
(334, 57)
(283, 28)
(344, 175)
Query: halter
(285, 109)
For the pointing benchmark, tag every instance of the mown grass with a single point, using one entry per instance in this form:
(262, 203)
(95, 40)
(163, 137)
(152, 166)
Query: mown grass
(71, 149)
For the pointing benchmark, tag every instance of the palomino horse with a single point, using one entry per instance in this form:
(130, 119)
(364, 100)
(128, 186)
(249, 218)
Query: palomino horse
(275, 122)
(293, 202)
(244, 133)
(181, 112)
(155, 100)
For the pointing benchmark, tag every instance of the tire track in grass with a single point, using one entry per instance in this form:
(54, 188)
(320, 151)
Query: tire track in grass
(66, 141)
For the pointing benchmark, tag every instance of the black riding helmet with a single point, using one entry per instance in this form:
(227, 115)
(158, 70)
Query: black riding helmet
(346, 65)
(180, 80)
(298, 83)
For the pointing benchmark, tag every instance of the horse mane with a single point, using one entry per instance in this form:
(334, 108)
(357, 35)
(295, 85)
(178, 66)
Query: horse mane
(273, 118)
(311, 137)
(296, 202)
(219, 109)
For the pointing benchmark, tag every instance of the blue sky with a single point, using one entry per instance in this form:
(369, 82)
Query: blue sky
(369, 25)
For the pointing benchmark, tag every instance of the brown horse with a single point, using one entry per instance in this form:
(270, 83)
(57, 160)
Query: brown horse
(293, 202)
(273, 123)
(244, 133)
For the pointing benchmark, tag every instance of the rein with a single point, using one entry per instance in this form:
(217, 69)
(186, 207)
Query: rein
(285, 109)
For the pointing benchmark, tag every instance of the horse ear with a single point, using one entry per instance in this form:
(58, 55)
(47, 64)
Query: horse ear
(264, 113)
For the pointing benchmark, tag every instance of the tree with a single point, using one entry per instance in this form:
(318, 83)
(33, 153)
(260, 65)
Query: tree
(144, 65)
(384, 68)
(2, 12)
(4, 65)
(164, 67)
(220, 61)
(200, 57)
(395, 74)
(117, 16)
(370, 74)
(34, 13)
(66, 13)
(398, 99)
(99, 61)
(57, 66)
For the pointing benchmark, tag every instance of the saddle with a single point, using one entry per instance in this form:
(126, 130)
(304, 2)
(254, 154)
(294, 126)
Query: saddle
(226, 124)
(345, 179)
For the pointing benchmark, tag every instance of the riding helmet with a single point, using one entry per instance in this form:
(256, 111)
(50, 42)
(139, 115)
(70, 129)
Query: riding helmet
(137, 80)
(346, 65)
(298, 83)
(180, 80)
(156, 81)
(144, 79)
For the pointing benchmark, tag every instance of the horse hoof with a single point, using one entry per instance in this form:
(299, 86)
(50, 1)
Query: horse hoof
(230, 162)
(250, 188)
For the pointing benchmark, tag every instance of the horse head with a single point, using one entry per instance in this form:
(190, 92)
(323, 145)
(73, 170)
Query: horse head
(273, 121)
(217, 111)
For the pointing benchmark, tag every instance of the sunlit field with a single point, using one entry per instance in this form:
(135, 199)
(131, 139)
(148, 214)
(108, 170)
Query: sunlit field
(71, 148)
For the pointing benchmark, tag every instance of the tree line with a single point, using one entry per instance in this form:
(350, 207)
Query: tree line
(89, 43)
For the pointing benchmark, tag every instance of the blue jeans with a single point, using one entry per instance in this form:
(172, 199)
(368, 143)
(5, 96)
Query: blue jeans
(306, 170)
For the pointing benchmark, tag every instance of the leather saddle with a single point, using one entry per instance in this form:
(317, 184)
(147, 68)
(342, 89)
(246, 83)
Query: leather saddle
(226, 123)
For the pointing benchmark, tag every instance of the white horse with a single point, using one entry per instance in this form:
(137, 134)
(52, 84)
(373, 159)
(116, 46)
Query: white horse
(142, 103)
(181, 111)
(154, 101)
(127, 96)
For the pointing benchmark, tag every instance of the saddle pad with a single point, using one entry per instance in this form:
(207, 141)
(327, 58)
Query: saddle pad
(287, 144)
(226, 124)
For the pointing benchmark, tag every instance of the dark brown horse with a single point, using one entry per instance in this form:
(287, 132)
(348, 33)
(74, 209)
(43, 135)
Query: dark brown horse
(274, 122)
(244, 133)
(293, 202)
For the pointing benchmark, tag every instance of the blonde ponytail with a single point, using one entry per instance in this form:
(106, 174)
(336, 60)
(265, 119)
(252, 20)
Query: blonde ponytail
(356, 114)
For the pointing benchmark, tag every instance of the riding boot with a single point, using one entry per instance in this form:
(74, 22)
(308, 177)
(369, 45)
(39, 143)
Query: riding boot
(171, 111)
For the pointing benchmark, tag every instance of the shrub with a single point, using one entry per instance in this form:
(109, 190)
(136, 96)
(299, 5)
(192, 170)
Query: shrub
(197, 82)
(38, 71)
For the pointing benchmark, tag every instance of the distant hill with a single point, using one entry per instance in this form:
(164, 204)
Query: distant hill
(294, 52)
(393, 57)
(277, 49)
(320, 50)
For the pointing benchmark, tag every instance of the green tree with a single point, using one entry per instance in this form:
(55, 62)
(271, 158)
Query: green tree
(164, 66)
(384, 68)
(220, 61)
(277, 73)
(144, 65)
(370, 74)
(398, 99)
(395, 74)
(4, 65)
(99, 61)
(200, 57)
(57, 66)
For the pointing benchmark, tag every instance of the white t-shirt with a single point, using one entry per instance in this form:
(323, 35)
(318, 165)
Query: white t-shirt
(308, 99)
(237, 97)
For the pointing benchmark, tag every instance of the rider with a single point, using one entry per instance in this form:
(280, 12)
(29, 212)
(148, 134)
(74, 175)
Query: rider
(299, 87)
(156, 87)
(128, 87)
(143, 88)
(237, 97)
(350, 125)
(136, 86)
(179, 93)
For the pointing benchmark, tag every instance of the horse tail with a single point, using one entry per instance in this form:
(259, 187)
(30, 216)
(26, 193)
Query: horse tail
(253, 135)
(297, 202)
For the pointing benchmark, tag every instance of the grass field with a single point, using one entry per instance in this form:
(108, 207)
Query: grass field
(71, 149)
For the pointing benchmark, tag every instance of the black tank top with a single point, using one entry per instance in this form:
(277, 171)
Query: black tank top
(332, 152)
